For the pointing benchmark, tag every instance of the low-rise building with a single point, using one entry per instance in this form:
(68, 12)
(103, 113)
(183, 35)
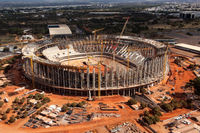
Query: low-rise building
(33, 101)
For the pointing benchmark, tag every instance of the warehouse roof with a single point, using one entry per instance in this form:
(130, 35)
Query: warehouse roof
(59, 29)
(192, 47)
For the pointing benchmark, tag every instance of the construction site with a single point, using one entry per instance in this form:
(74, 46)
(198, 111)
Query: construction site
(113, 68)
(96, 65)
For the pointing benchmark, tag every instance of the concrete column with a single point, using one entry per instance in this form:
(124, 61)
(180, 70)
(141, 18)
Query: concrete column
(130, 77)
(106, 77)
(58, 76)
(93, 79)
(88, 78)
(24, 65)
(133, 76)
(75, 78)
(39, 71)
(82, 78)
(124, 78)
(145, 72)
(111, 77)
(140, 74)
(117, 77)
(28, 66)
(46, 74)
(43, 72)
(127, 77)
(162, 62)
(152, 68)
(157, 66)
(53, 75)
(136, 76)
(69, 78)
(64, 78)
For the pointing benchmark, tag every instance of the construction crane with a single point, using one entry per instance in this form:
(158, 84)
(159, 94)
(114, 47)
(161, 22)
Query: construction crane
(123, 29)
(33, 77)
(165, 64)
(97, 30)
(122, 32)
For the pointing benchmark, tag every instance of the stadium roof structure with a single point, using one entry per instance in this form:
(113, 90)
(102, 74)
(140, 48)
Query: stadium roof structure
(187, 46)
(59, 29)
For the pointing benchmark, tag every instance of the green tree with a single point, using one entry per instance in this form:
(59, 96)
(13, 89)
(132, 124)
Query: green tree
(25, 114)
(1, 103)
(30, 96)
(73, 104)
(21, 101)
(147, 120)
(38, 96)
(167, 107)
(16, 100)
(46, 100)
(38, 105)
(4, 117)
(12, 119)
(155, 119)
(146, 113)
(156, 111)
(143, 105)
(80, 104)
(8, 110)
(83, 102)
(132, 101)
(183, 103)
(196, 84)
(64, 108)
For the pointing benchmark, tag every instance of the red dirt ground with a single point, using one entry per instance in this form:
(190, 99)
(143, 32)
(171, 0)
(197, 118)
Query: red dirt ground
(181, 78)
(174, 113)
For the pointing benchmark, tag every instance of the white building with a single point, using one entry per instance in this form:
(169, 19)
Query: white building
(187, 47)
(59, 30)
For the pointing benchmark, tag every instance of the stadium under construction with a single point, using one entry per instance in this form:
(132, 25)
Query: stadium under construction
(96, 65)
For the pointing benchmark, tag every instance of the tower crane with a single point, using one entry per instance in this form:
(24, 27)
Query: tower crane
(97, 30)
(122, 32)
